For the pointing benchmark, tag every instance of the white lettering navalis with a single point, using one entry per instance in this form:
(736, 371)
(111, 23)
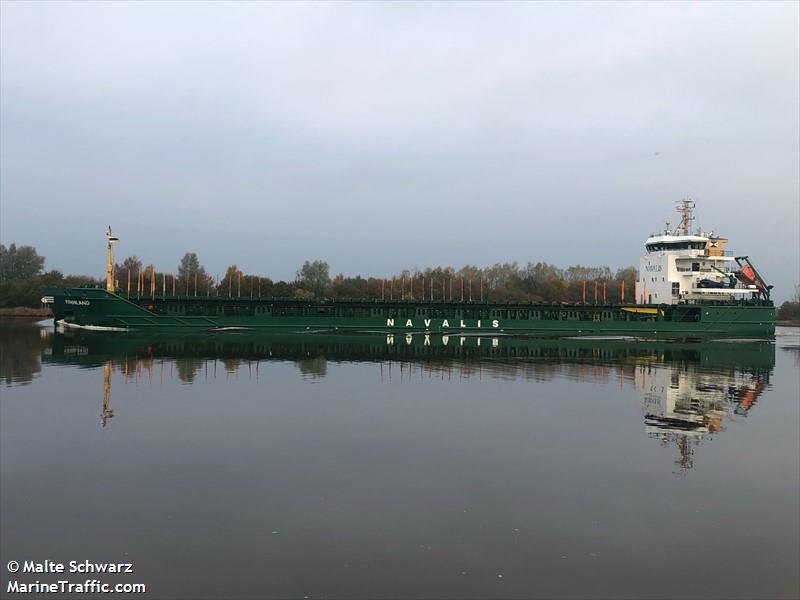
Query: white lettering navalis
(444, 324)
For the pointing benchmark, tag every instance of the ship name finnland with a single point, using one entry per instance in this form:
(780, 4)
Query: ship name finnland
(78, 302)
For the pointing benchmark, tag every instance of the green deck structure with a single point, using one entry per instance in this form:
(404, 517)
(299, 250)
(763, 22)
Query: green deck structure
(98, 308)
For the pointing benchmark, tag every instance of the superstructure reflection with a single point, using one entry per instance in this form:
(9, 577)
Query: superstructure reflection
(685, 404)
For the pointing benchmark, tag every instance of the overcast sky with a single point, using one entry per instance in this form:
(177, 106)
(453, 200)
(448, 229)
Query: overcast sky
(381, 136)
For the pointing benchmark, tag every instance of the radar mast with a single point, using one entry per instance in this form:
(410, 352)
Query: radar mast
(685, 209)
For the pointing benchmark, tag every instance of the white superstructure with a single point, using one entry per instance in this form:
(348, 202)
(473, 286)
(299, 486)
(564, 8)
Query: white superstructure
(684, 267)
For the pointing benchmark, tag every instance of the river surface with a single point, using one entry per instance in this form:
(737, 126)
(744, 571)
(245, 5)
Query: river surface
(310, 466)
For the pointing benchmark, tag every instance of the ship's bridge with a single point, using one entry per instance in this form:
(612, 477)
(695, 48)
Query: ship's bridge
(674, 243)
(688, 247)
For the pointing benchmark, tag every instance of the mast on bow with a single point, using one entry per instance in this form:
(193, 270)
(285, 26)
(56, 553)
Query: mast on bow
(110, 283)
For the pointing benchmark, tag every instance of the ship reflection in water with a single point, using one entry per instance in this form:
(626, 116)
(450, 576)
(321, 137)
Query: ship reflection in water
(688, 391)
(684, 405)
(370, 466)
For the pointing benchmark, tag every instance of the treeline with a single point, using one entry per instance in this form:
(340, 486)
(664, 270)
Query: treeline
(502, 282)
(22, 279)
(534, 282)
(790, 310)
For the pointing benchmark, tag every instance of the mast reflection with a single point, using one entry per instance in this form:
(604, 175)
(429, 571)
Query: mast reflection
(106, 413)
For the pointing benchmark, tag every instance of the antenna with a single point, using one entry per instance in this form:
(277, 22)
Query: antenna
(685, 209)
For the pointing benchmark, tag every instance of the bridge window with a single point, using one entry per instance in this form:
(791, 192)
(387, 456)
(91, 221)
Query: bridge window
(665, 246)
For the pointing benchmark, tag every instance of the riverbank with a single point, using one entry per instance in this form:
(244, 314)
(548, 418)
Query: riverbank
(795, 323)
(25, 311)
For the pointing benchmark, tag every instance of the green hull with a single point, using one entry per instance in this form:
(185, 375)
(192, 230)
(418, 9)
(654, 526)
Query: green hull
(97, 308)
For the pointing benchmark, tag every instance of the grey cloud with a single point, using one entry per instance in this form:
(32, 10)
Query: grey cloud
(382, 136)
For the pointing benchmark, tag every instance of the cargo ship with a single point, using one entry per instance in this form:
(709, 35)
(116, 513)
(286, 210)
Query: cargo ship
(689, 287)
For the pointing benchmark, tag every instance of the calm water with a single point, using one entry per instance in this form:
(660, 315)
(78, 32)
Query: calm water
(289, 467)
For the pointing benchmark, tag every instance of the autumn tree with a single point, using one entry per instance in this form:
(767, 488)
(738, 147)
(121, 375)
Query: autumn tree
(22, 280)
(790, 310)
(314, 277)
(231, 283)
(19, 262)
(192, 276)
(130, 266)
(350, 287)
